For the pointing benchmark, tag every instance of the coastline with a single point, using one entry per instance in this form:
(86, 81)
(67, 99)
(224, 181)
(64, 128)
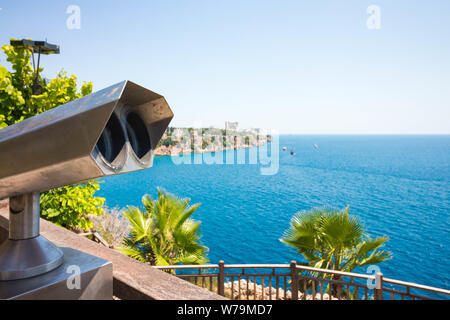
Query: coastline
(161, 151)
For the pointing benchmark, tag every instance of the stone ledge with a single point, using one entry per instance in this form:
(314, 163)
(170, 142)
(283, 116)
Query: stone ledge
(132, 279)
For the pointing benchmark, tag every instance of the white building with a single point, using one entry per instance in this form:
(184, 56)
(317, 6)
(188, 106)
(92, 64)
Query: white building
(231, 125)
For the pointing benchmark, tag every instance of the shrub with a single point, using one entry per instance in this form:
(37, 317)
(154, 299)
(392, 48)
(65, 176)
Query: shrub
(111, 226)
(67, 206)
(71, 206)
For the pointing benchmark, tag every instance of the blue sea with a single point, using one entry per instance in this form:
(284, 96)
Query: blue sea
(398, 185)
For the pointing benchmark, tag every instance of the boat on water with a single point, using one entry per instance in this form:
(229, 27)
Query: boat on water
(292, 152)
(316, 146)
(284, 148)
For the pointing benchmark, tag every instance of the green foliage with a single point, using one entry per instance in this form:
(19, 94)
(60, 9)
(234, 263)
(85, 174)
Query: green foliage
(331, 239)
(70, 206)
(16, 99)
(67, 206)
(164, 233)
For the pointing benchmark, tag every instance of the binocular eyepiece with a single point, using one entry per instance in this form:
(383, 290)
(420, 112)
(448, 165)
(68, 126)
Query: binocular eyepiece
(125, 135)
(109, 132)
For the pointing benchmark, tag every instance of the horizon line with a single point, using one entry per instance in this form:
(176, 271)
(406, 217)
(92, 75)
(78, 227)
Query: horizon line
(371, 134)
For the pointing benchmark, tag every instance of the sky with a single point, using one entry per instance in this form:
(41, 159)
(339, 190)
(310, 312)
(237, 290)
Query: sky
(295, 67)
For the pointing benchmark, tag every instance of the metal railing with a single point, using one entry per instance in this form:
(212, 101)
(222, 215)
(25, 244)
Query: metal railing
(298, 282)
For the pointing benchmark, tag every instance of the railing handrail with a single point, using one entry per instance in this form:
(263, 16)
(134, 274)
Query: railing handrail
(299, 267)
(257, 266)
(267, 266)
(311, 269)
(189, 266)
(417, 286)
(342, 273)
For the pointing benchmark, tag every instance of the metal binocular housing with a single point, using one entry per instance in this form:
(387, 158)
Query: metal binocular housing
(108, 132)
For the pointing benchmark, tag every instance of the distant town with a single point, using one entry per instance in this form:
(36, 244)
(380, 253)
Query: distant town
(177, 141)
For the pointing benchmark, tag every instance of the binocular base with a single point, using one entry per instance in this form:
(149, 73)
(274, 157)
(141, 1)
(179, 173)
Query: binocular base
(27, 258)
(80, 276)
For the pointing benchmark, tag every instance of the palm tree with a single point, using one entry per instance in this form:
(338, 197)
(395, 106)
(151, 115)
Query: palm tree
(331, 239)
(164, 233)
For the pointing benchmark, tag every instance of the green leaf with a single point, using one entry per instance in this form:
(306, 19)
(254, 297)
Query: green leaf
(164, 233)
(331, 238)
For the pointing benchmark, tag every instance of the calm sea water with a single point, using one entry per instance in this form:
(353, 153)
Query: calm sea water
(398, 185)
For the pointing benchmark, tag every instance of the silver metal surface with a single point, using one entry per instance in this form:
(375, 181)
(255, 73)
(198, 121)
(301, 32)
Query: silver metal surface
(27, 258)
(26, 254)
(24, 216)
(81, 276)
(109, 132)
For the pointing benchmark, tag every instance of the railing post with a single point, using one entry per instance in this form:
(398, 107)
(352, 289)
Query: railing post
(378, 291)
(221, 279)
(294, 280)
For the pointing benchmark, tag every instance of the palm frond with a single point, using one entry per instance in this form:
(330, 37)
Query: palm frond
(165, 231)
(132, 252)
(331, 238)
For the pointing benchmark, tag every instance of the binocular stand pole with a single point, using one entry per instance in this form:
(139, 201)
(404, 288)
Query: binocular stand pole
(26, 253)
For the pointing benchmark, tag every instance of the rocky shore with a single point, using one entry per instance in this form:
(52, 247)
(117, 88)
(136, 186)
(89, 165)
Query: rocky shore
(174, 150)
(177, 141)
(265, 293)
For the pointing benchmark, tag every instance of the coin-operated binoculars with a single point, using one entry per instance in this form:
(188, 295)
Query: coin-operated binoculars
(109, 132)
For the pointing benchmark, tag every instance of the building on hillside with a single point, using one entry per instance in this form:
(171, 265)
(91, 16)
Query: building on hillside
(229, 125)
